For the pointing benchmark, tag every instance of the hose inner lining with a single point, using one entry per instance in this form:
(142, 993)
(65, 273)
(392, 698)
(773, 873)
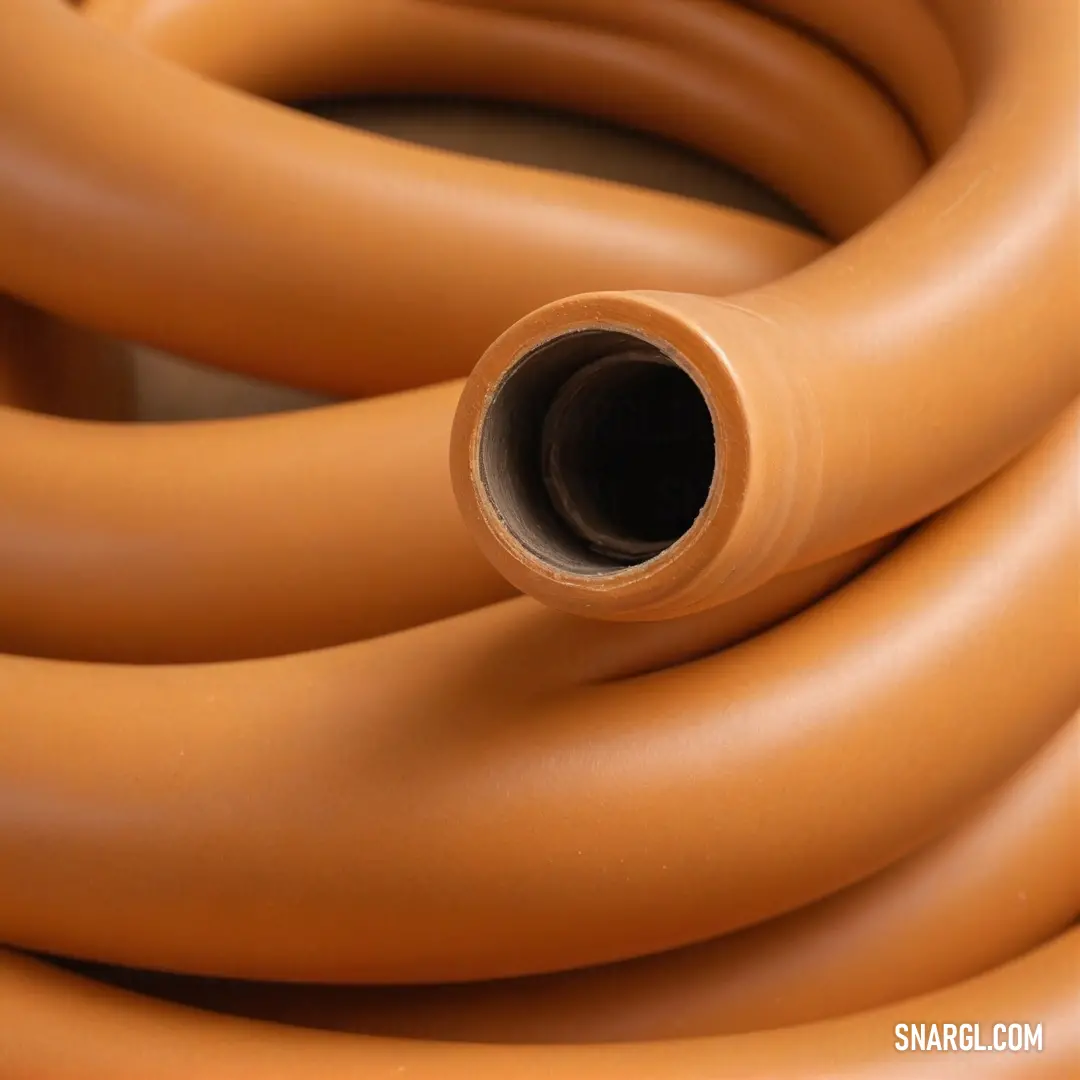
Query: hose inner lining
(598, 452)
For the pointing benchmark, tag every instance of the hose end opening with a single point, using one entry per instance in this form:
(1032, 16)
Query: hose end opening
(597, 451)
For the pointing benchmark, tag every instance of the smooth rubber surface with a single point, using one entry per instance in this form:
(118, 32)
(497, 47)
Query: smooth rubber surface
(275, 717)
(851, 398)
(371, 795)
(915, 927)
(61, 1027)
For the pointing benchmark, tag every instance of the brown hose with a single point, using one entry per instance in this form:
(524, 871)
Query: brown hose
(308, 565)
(329, 216)
(916, 927)
(777, 765)
(709, 74)
(902, 44)
(382, 813)
(210, 717)
(828, 405)
(309, 530)
(62, 1027)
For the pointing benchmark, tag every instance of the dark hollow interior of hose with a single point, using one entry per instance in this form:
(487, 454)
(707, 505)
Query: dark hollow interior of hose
(597, 452)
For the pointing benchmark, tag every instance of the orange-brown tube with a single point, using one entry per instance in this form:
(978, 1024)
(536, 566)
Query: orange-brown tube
(309, 530)
(838, 404)
(280, 536)
(900, 42)
(352, 233)
(710, 75)
(514, 790)
(1002, 883)
(120, 543)
(546, 653)
(334, 817)
(58, 1026)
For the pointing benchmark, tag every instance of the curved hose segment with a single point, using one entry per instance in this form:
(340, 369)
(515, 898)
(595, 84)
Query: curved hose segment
(900, 43)
(778, 755)
(838, 404)
(918, 926)
(352, 233)
(62, 1027)
(310, 529)
(382, 813)
(711, 75)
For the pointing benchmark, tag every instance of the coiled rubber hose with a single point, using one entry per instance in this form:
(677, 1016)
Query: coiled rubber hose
(799, 768)
(281, 537)
(867, 944)
(71, 1027)
(812, 414)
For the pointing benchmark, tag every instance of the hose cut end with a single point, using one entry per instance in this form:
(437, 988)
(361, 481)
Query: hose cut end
(606, 467)
(597, 442)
